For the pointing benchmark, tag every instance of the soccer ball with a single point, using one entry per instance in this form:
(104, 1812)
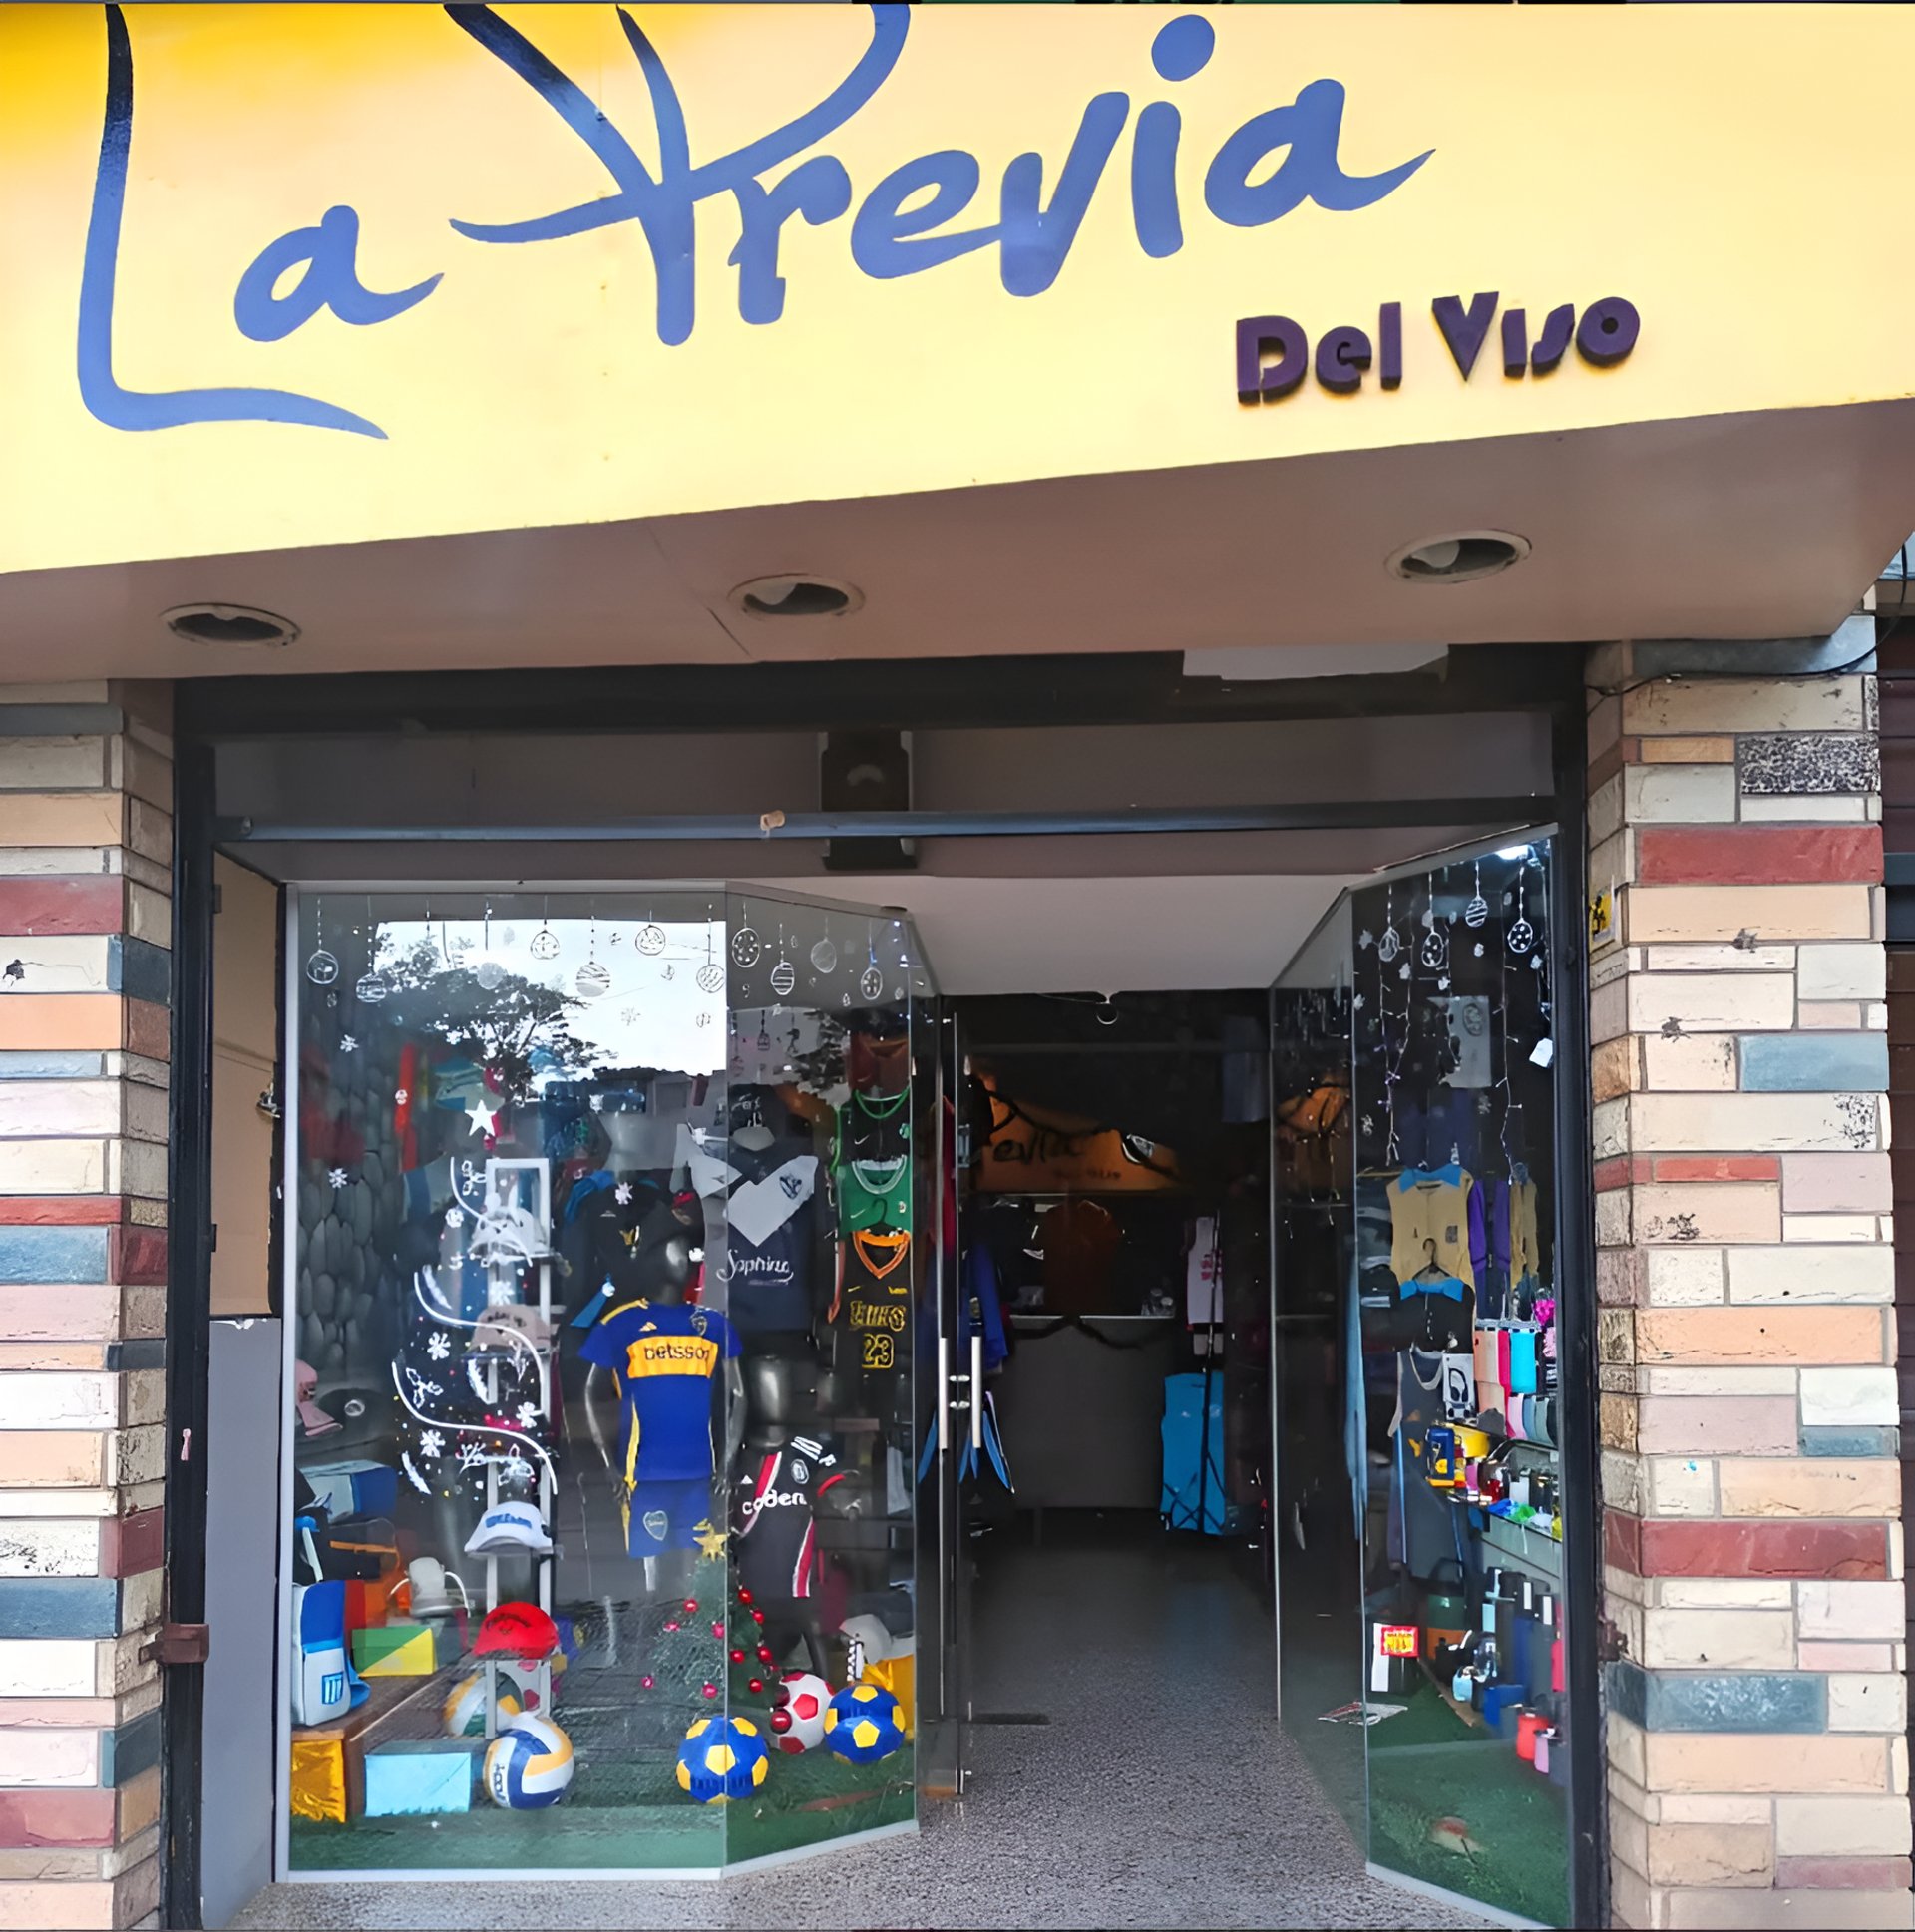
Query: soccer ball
(864, 1723)
(529, 1765)
(465, 1709)
(722, 1758)
(807, 1698)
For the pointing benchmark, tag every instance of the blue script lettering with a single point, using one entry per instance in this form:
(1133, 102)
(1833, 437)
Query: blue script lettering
(121, 408)
(665, 209)
(902, 227)
(896, 230)
(331, 281)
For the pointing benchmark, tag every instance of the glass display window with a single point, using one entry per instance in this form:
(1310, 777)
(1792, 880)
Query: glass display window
(1419, 1376)
(601, 1315)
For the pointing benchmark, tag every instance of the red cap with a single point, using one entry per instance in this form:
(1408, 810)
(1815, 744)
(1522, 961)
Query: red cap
(516, 1629)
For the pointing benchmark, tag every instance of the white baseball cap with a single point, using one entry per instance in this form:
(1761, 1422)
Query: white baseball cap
(509, 1526)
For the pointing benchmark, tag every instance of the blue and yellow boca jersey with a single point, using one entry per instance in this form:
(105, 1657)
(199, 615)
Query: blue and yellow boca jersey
(662, 1357)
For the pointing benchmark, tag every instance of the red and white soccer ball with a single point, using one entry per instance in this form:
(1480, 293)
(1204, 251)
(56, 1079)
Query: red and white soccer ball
(807, 1697)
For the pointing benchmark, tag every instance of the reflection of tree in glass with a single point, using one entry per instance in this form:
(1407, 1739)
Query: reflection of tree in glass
(499, 1027)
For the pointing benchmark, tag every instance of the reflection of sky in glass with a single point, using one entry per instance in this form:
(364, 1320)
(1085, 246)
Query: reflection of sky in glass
(650, 1015)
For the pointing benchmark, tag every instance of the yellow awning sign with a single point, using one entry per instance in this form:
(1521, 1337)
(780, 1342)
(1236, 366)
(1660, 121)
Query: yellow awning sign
(557, 265)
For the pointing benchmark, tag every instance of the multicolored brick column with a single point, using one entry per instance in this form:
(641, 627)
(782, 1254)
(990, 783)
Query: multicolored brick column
(1758, 1762)
(85, 803)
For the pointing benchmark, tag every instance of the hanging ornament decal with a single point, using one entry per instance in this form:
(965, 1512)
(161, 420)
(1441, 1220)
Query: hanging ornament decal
(710, 978)
(545, 943)
(871, 982)
(823, 957)
(371, 989)
(489, 972)
(1389, 945)
(1477, 911)
(747, 949)
(322, 967)
(651, 938)
(784, 976)
(1435, 950)
(593, 981)
(1522, 936)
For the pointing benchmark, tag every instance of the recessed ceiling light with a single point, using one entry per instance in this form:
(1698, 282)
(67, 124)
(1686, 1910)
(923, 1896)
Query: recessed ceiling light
(230, 623)
(1459, 557)
(793, 596)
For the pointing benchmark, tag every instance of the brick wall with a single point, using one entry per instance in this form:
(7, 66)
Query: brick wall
(1758, 1762)
(86, 791)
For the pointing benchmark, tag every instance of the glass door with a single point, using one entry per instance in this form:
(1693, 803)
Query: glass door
(1425, 1608)
(607, 1225)
(951, 1426)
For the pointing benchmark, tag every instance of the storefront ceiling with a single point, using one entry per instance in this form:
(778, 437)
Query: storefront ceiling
(1754, 526)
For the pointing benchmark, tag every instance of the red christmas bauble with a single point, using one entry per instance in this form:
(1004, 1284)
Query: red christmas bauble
(647, 1684)
(744, 1595)
(718, 1629)
(737, 1657)
(754, 1684)
(757, 1615)
(781, 1720)
(671, 1622)
(710, 1689)
(691, 1605)
(764, 1653)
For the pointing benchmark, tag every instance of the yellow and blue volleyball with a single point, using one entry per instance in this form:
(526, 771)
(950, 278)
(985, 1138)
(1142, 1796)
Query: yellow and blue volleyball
(529, 1764)
(864, 1723)
(464, 1708)
(722, 1758)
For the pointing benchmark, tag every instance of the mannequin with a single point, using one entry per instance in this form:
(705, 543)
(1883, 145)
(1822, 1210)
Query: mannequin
(780, 1390)
(653, 1261)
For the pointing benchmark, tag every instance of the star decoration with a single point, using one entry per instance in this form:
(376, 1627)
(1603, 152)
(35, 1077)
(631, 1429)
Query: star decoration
(622, 1194)
(1535, 962)
(338, 1178)
(483, 1115)
(431, 1443)
(711, 1542)
(454, 1218)
(347, 1044)
(1358, 1002)
(1442, 985)
(1365, 938)
(599, 1099)
(632, 1016)
(436, 1346)
(1403, 971)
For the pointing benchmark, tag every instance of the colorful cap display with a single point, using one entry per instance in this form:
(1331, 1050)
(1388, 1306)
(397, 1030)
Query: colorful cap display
(508, 1526)
(516, 1629)
(312, 1418)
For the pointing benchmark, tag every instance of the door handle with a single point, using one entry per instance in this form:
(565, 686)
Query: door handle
(978, 1393)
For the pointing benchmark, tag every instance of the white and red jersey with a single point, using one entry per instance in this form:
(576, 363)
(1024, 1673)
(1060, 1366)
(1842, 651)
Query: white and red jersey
(777, 1541)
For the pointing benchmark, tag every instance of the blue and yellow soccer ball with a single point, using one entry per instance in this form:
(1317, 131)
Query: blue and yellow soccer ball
(529, 1764)
(722, 1758)
(864, 1723)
